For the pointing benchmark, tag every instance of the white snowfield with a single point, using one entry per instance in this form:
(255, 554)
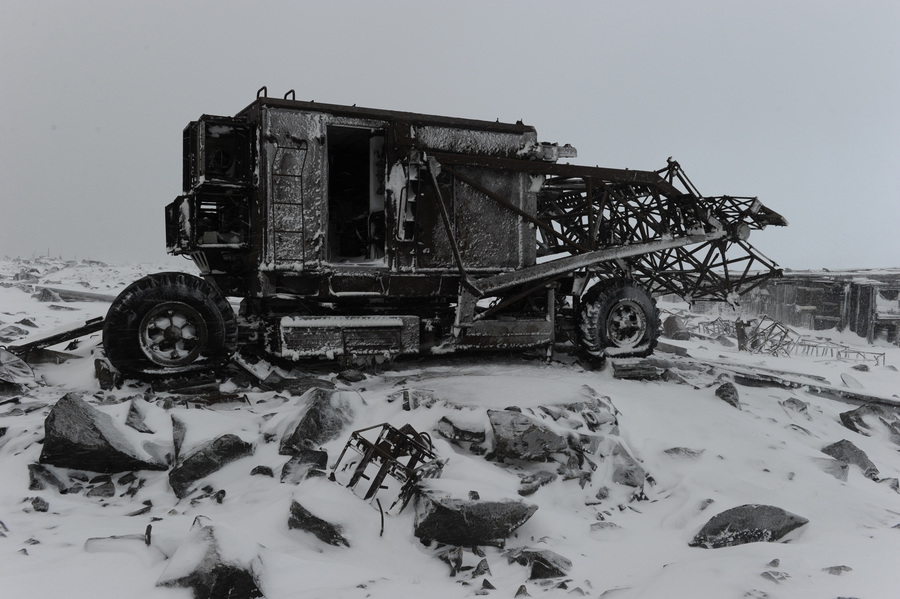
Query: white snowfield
(767, 452)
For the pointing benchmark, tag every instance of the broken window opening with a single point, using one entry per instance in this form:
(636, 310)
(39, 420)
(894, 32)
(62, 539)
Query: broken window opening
(356, 183)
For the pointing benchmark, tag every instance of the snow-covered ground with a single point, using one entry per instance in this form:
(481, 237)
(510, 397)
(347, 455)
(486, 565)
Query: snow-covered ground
(767, 452)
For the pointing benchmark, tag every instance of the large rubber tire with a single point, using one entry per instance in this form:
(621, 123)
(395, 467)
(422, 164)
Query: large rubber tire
(169, 323)
(618, 318)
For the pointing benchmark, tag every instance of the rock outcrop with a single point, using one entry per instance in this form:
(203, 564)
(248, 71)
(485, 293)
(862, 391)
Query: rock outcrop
(846, 451)
(78, 435)
(209, 458)
(520, 437)
(215, 562)
(747, 524)
(326, 416)
(301, 518)
(468, 522)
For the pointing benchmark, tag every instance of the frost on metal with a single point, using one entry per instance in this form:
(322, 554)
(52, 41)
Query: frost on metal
(351, 232)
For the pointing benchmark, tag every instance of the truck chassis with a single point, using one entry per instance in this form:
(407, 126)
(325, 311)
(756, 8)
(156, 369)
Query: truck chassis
(351, 232)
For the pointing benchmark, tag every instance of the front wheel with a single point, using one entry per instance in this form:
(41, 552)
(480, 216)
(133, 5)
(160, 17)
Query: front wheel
(618, 318)
(167, 323)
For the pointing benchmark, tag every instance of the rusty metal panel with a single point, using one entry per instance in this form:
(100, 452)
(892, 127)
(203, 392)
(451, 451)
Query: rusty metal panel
(491, 236)
(470, 141)
(293, 161)
(505, 334)
(304, 336)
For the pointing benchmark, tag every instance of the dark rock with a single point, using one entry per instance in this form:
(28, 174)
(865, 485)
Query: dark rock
(453, 557)
(127, 479)
(140, 512)
(262, 471)
(486, 584)
(39, 504)
(729, 393)
(300, 465)
(794, 404)
(522, 591)
(108, 377)
(327, 414)
(482, 569)
(626, 469)
(77, 435)
(179, 433)
(468, 523)
(684, 452)
(207, 459)
(351, 376)
(520, 437)
(11, 332)
(543, 562)
(107, 489)
(137, 414)
(775, 576)
(216, 563)
(846, 451)
(892, 483)
(747, 524)
(866, 419)
(674, 328)
(457, 431)
(45, 295)
(836, 468)
(40, 477)
(303, 519)
(837, 570)
(533, 482)
(861, 367)
(27, 322)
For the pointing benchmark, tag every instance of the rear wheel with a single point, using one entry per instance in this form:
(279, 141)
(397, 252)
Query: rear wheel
(618, 318)
(167, 323)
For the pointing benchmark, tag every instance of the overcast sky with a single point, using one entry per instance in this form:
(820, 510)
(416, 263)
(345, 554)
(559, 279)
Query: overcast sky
(797, 103)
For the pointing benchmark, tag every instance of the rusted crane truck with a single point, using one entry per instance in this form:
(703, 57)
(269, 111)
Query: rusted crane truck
(347, 232)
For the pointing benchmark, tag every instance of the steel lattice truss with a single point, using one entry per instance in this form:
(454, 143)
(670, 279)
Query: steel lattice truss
(615, 208)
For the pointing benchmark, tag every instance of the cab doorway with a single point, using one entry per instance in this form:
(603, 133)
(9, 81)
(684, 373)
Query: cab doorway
(356, 172)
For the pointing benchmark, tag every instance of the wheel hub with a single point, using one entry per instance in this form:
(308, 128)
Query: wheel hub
(173, 334)
(626, 324)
